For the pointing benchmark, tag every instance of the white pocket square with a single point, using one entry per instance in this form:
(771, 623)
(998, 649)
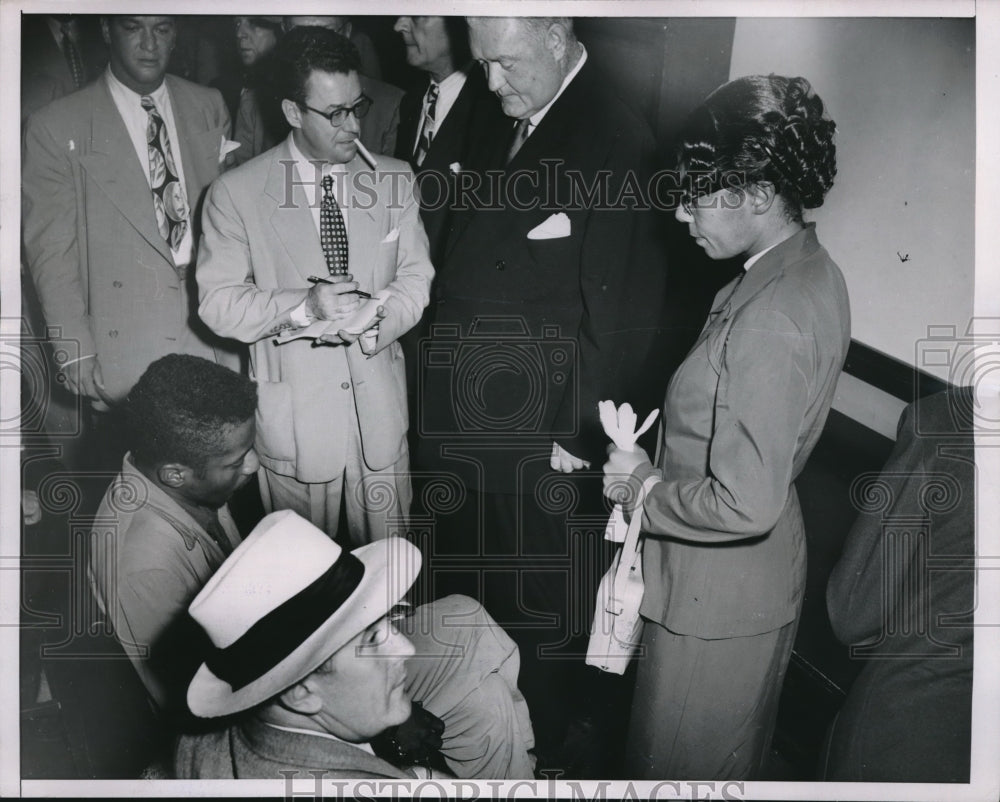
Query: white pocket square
(392, 236)
(553, 227)
(226, 147)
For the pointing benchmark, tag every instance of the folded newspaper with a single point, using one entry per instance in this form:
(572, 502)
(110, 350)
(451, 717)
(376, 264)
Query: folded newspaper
(357, 323)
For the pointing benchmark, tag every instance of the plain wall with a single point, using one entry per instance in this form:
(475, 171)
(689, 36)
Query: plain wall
(902, 92)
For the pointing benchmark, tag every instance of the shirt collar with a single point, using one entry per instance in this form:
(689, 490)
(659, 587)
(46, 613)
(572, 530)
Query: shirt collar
(536, 118)
(306, 168)
(753, 259)
(364, 747)
(457, 77)
(159, 95)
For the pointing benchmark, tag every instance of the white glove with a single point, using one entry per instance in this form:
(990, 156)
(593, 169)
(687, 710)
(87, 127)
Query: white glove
(619, 426)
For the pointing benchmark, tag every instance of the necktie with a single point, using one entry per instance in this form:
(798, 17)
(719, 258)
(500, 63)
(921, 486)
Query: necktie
(72, 53)
(169, 202)
(520, 134)
(332, 231)
(427, 128)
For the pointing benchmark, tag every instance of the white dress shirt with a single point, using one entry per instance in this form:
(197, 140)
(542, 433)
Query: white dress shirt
(136, 118)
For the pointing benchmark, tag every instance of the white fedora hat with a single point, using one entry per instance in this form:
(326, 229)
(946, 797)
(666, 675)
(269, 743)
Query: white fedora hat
(286, 599)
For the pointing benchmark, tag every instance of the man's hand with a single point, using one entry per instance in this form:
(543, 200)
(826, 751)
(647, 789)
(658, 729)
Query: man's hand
(334, 300)
(368, 338)
(84, 377)
(562, 460)
(618, 469)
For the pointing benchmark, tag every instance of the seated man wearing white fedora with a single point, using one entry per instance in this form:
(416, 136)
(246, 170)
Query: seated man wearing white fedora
(308, 652)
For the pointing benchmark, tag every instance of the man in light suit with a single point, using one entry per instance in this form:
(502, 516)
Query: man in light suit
(260, 125)
(546, 302)
(109, 247)
(378, 128)
(332, 419)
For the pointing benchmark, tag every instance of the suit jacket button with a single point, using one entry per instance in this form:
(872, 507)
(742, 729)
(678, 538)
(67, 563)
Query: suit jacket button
(113, 333)
(501, 264)
(345, 386)
(117, 284)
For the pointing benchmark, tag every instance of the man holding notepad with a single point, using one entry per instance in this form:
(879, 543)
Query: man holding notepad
(295, 241)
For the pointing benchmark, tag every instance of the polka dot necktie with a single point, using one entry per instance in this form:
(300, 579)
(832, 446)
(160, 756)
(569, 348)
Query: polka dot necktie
(332, 231)
(169, 201)
(427, 130)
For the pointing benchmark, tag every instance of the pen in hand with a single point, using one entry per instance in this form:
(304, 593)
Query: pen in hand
(321, 280)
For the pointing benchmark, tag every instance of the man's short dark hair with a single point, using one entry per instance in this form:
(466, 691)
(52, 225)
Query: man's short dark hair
(180, 407)
(306, 48)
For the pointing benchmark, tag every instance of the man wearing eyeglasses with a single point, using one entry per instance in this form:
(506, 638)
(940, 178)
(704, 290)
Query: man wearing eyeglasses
(293, 241)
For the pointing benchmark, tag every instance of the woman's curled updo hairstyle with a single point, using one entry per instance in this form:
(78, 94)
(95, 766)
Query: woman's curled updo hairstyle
(762, 129)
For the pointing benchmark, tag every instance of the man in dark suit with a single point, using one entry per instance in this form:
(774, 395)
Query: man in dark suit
(548, 299)
(435, 120)
(60, 53)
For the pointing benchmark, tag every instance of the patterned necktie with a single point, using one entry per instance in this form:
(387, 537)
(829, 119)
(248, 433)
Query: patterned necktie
(72, 53)
(520, 134)
(332, 231)
(169, 202)
(427, 130)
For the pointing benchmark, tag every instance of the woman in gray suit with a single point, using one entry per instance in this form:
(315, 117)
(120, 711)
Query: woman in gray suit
(724, 549)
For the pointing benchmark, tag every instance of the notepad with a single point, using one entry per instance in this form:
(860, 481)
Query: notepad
(355, 324)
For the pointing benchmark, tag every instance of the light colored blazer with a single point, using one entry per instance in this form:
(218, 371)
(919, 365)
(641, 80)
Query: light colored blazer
(724, 553)
(104, 274)
(258, 247)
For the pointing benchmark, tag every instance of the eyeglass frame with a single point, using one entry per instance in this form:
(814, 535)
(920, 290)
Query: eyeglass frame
(345, 110)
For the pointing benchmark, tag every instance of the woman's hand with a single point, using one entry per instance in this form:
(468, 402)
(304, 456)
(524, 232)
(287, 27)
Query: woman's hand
(618, 469)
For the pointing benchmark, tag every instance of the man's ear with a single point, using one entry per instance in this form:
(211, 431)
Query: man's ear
(761, 196)
(173, 474)
(555, 40)
(299, 699)
(292, 112)
(105, 32)
(348, 28)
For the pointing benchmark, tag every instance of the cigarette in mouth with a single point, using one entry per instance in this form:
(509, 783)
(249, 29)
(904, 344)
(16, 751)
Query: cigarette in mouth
(366, 154)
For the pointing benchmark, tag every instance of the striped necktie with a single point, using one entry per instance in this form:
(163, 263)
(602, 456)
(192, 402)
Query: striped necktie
(72, 53)
(169, 201)
(427, 129)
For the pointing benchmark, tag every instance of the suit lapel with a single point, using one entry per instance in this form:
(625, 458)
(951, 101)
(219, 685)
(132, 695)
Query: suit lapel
(199, 148)
(362, 226)
(289, 202)
(409, 116)
(114, 166)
